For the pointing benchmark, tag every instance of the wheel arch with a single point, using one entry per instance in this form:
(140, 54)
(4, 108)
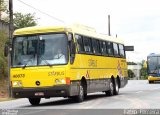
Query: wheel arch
(118, 81)
(84, 84)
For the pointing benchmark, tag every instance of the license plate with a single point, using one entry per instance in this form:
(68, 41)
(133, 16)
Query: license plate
(39, 94)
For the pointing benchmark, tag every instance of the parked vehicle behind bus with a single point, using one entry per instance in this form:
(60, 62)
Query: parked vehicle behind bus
(153, 67)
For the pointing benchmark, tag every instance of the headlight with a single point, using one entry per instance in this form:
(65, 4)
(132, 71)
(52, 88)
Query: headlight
(17, 84)
(60, 81)
(63, 81)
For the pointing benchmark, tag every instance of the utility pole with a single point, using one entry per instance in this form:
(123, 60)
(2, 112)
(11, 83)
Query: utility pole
(109, 33)
(10, 44)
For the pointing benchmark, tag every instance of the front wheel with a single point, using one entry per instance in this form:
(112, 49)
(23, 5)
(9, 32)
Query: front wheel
(150, 82)
(34, 101)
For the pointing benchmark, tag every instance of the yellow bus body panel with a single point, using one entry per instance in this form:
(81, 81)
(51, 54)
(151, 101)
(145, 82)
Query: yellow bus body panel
(45, 75)
(97, 67)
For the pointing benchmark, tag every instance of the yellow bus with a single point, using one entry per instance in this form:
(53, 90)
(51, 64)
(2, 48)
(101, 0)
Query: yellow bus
(65, 62)
(153, 67)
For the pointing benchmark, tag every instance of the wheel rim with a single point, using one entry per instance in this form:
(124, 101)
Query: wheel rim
(81, 92)
(117, 89)
(111, 88)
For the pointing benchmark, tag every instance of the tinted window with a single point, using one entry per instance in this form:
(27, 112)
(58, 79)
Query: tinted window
(87, 44)
(110, 48)
(79, 43)
(103, 47)
(96, 47)
(121, 50)
(25, 49)
(39, 50)
(115, 47)
(154, 64)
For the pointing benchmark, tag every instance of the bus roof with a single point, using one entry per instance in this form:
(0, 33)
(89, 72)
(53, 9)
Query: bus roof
(153, 55)
(77, 29)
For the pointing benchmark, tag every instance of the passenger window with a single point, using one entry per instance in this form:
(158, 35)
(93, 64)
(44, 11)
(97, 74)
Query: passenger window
(87, 44)
(103, 47)
(121, 50)
(110, 48)
(115, 47)
(96, 47)
(79, 43)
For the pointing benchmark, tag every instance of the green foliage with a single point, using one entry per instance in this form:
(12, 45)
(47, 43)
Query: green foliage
(3, 9)
(3, 6)
(3, 60)
(131, 63)
(24, 20)
(130, 73)
(19, 20)
(143, 73)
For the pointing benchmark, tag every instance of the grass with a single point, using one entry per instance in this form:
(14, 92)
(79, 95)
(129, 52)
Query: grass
(6, 99)
(3, 90)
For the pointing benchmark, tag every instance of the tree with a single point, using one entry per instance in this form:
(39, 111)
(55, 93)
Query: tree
(3, 60)
(143, 73)
(144, 64)
(143, 70)
(24, 20)
(130, 73)
(131, 63)
(3, 7)
(19, 20)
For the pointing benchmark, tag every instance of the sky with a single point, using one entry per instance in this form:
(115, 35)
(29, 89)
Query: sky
(137, 22)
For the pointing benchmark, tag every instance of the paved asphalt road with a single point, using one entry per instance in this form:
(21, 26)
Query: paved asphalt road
(137, 95)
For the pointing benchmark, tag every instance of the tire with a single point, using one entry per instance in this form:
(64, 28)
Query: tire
(116, 87)
(85, 91)
(85, 95)
(34, 101)
(110, 92)
(150, 82)
(80, 96)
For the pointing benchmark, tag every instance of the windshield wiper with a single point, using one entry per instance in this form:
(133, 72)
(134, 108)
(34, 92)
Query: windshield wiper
(43, 59)
(27, 62)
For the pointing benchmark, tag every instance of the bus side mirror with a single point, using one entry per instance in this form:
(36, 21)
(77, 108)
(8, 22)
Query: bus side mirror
(129, 48)
(6, 49)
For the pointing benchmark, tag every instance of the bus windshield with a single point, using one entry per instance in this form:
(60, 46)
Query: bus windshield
(34, 50)
(154, 65)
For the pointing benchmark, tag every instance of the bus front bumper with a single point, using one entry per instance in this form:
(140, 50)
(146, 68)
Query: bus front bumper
(56, 91)
(151, 78)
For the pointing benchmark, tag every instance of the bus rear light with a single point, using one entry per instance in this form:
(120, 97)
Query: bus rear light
(67, 80)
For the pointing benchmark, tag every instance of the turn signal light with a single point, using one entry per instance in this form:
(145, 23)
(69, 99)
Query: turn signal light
(67, 80)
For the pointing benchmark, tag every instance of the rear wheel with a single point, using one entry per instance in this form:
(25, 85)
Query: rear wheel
(34, 101)
(80, 96)
(116, 87)
(110, 92)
